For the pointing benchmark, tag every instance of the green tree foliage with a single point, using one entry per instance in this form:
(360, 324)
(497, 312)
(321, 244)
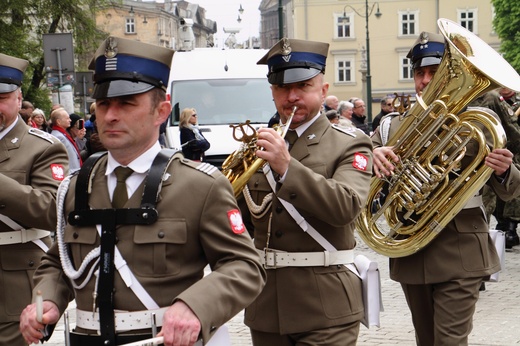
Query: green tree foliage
(23, 23)
(507, 26)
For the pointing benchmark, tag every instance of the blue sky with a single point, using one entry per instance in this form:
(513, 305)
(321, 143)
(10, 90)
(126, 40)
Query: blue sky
(225, 13)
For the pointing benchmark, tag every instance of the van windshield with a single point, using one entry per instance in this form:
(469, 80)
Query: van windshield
(229, 101)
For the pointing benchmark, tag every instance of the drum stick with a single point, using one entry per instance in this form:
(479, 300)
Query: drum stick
(39, 307)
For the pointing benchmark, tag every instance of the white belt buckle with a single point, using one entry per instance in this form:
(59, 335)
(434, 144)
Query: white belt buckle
(267, 265)
(326, 258)
(23, 235)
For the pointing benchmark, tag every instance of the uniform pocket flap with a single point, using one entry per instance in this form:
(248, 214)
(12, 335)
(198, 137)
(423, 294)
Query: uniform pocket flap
(170, 231)
(468, 222)
(80, 235)
(330, 269)
(259, 183)
(20, 259)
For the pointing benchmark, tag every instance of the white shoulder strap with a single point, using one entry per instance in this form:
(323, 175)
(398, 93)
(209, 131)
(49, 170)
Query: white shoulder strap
(16, 227)
(297, 216)
(130, 279)
(305, 226)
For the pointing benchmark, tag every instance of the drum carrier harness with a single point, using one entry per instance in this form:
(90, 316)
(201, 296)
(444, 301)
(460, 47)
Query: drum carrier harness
(146, 214)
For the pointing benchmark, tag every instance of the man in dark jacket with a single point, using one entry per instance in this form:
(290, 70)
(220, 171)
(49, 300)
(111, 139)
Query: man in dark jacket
(386, 108)
(359, 117)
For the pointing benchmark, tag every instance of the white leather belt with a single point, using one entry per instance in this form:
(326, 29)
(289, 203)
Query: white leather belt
(22, 236)
(124, 321)
(474, 202)
(272, 259)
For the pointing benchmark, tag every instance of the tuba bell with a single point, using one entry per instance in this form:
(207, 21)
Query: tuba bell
(242, 163)
(428, 187)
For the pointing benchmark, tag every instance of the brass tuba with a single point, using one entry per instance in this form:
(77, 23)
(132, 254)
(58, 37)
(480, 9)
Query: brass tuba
(428, 187)
(242, 163)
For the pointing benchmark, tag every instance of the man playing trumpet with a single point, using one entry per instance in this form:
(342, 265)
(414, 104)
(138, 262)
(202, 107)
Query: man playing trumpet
(318, 174)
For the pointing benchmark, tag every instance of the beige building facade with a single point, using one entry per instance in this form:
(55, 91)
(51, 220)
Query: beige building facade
(394, 26)
(162, 23)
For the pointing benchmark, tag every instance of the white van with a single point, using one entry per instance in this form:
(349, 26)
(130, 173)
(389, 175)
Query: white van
(226, 87)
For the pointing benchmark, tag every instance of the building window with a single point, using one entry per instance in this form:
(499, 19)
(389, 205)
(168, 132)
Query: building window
(344, 26)
(408, 23)
(160, 27)
(344, 69)
(405, 70)
(468, 19)
(130, 26)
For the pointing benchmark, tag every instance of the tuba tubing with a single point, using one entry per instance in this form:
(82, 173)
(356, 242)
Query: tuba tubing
(423, 197)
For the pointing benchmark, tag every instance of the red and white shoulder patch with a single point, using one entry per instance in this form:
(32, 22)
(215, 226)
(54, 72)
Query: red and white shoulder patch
(58, 172)
(235, 220)
(360, 162)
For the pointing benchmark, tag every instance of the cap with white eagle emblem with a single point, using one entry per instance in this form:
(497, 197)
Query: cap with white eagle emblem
(291, 60)
(127, 67)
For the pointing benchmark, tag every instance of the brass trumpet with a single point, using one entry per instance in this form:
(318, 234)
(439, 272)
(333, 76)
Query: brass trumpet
(243, 162)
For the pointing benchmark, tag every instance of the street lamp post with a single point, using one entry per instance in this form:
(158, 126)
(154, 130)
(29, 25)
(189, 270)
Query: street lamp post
(240, 11)
(280, 19)
(368, 76)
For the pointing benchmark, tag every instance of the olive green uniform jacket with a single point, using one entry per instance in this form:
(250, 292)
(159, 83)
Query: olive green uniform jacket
(327, 189)
(493, 101)
(168, 257)
(463, 249)
(32, 165)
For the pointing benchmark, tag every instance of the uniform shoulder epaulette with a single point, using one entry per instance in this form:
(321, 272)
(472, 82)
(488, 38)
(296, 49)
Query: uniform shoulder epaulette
(349, 131)
(203, 167)
(42, 134)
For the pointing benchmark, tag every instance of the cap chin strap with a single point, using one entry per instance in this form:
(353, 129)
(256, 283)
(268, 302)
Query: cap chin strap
(128, 76)
(10, 81)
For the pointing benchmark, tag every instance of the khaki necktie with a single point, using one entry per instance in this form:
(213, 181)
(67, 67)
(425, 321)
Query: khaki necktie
(120, 195)
(291, 137)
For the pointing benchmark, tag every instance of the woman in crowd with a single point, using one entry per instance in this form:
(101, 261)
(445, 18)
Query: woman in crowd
(78, 131)
(38, 120)
(193, 142)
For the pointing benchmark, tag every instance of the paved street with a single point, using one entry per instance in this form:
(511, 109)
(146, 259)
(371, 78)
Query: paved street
(496, 320)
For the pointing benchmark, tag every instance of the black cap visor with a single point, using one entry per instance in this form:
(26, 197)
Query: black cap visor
(117, 88)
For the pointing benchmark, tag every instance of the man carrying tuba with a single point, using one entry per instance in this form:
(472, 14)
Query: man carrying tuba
(441, 281)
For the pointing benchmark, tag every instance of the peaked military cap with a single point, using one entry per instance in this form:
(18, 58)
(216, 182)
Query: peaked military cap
(11, 73)
(127, 67)
(291, 60)
(427, 50)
